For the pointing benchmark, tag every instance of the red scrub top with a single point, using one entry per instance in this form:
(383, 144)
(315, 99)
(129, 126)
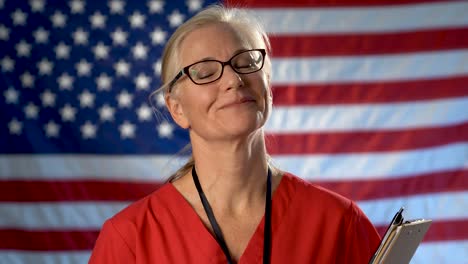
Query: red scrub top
(309, 225)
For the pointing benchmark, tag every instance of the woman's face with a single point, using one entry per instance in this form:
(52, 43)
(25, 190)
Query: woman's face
(233, 106)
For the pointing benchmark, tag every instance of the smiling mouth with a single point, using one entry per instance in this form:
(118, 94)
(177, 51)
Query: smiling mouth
(241, 101)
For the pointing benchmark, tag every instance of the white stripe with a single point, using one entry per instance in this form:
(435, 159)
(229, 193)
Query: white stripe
(56, 216)
(376, 165)
(311, 167)
(438, 206)
(411, 66)
(102, 167)
(363, 19)
(358, 117)
(41, 257)
(453, 252)
(91, 215)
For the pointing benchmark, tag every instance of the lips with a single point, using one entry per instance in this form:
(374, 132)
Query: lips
(238, 101)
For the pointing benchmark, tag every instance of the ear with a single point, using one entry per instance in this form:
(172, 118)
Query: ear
(177, 113)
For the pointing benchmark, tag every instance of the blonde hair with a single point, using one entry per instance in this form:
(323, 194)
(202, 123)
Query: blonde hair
(241, 21)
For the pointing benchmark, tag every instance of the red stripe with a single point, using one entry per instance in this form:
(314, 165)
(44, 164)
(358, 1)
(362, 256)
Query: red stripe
(65, 240)
(373, 92)
(320, 3)
(365, 141)
(441, 231)
(435, 182)
(367, 43)
(50, 240)
(73, 190)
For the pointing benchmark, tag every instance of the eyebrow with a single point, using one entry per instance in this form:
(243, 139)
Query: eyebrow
(212, 58)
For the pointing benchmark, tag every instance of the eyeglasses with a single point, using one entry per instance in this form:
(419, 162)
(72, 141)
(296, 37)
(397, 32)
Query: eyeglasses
(208, 71)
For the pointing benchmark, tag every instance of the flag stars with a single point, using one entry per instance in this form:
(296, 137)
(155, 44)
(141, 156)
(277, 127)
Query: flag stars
(80, 37)
(140, 51)
(124, 99)
(86, 99)
(104, 82)
(23, 49)
(58, 19)
(31, 111)
(194, 5)
(68, 113)
(88, 130)
(62, 51)
(11, 96)
(155, 6)
(106, 113)
(41, 35)
(48, 99)
(101, 51)
(52, 129)
(137, 20)
(77, 6)
(4, 33)
(160, 101)
(37, 5)
(127, 130)
(157, 67)
(15, 127)
(144, 113)
(65, 81)
(158, 36)
(119, 37)
(7, 64)
(122, 68)
(116, 6)
(83, 68)
(142, 81)
(19, 18)
(98, 20)
(27, 80)
(175, 18)
(165, 130)
(45, 66)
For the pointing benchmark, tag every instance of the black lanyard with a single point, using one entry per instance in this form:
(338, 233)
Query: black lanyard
(217, 229)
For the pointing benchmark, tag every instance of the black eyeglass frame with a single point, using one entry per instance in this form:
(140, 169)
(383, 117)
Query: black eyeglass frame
(185, 70)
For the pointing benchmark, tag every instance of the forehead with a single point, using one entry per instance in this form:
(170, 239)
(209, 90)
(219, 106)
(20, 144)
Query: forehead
(217, 41)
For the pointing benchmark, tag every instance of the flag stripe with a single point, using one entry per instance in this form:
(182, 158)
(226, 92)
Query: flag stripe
(150, 168)
(36, 216)
(369, 68)
(321, 3)
(366, 43)
(441, 231)
(53, 240)
(364, 117)
(362, 190)
(372, 92)
(395, 164)
(44, 257)
(365, 141)
(47, 240)
(73, 190)
(358, 190)
(292, 21)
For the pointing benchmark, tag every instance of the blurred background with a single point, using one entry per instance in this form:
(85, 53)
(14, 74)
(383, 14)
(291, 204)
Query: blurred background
(370, 100)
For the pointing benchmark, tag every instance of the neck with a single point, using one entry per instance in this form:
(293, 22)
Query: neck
(232, 175)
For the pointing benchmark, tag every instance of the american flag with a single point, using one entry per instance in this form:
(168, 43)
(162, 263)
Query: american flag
(370, 100)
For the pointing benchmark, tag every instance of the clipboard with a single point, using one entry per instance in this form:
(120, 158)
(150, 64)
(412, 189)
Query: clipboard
(400, 240)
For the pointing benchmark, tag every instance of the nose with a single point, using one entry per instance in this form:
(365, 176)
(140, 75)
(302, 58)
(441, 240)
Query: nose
(231, 79)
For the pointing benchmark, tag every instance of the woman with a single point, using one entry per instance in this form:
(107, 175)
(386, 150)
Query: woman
(228, 204)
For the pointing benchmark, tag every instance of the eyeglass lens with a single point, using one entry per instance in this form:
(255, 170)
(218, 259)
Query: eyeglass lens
(211, 70)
